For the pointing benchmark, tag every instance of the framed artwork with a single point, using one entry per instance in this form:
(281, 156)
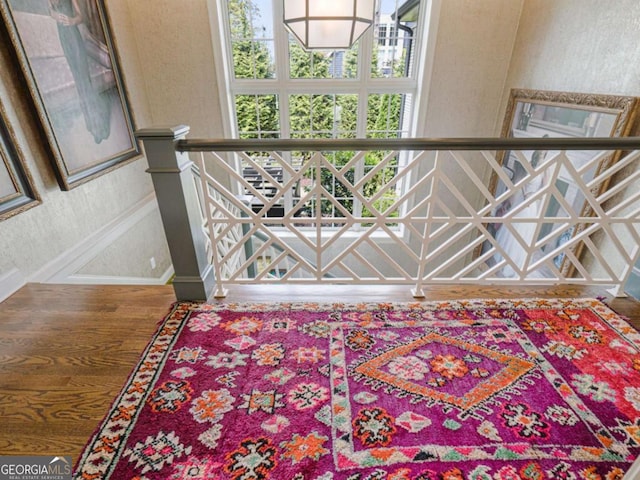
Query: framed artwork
(536, 113)
(65, 50)
(17, 193)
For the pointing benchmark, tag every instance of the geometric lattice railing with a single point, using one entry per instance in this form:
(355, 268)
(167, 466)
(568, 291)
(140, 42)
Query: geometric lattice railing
(484, 211)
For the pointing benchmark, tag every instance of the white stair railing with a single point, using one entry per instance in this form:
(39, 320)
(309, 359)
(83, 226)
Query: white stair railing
(423, 214)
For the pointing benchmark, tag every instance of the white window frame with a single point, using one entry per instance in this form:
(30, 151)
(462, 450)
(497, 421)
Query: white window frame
(282, 85)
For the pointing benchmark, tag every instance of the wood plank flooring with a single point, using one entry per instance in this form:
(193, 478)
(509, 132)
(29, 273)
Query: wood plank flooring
(66, 350)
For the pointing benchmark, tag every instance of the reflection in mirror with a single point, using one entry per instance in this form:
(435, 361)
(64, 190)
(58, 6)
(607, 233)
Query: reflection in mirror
(540, 114)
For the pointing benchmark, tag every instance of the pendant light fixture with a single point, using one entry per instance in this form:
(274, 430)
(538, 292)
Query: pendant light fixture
(328, 24)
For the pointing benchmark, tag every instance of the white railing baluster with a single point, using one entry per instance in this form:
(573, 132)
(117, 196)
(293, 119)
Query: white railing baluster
(418, 291)
(318, 161)
(220, 291)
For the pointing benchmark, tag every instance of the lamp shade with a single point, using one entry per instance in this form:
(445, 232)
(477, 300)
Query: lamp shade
(328, 24)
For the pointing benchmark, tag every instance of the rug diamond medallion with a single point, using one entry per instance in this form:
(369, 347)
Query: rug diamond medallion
(481, 390)
(402, 368)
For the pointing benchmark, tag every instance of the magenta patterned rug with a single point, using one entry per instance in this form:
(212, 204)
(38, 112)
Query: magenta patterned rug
(473, 390)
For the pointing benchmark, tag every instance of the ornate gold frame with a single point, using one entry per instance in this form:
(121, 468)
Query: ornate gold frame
(12, 159)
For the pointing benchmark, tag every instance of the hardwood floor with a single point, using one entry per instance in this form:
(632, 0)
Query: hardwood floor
(66, 350)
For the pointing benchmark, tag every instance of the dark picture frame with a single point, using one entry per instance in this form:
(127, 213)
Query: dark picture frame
(17, 192)
(66, 53)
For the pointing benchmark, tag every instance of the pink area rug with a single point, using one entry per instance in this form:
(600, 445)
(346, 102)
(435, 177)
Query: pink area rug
(478, 389)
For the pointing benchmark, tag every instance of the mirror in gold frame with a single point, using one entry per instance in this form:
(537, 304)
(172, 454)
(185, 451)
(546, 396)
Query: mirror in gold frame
(539, 114)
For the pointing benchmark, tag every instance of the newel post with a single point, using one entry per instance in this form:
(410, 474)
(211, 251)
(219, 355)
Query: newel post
(180, 211)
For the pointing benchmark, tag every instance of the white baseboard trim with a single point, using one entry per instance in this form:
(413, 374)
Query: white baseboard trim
(10, 283)
(64, 266)
(113, 280)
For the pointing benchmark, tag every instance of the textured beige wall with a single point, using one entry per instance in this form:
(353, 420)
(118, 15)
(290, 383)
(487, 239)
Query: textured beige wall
(126, 255)
(586, 46)
(31, 240)
(174, 38)
(472, 52)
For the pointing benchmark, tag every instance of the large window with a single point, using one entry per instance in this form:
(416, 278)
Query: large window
(279, 90)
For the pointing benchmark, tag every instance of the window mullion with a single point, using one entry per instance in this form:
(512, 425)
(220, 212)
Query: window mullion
(281, 42)
(364, 81)
(364, 69)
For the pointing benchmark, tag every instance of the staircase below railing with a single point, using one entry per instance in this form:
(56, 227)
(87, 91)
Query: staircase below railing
(487, 211)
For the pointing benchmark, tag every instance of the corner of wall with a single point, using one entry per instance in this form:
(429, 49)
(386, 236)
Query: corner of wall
(427, 53)
(505, 88)
(11, 282)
